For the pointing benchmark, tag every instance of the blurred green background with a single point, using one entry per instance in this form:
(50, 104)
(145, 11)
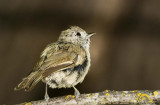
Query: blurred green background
(125, 52)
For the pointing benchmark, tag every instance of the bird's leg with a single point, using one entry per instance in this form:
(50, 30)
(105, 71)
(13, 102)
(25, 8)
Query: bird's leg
(76, 92)
(46, 97)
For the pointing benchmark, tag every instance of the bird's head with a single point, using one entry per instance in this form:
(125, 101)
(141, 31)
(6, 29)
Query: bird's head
(76, 35)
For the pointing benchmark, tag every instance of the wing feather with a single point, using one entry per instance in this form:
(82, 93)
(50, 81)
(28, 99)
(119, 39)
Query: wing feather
(62, 59)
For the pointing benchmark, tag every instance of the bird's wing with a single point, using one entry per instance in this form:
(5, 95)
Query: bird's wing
(62, 59)
(49, 50)
(63, 56)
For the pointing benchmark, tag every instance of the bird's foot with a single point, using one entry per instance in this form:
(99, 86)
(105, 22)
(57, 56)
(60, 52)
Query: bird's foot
(76, 92)
(46, 97)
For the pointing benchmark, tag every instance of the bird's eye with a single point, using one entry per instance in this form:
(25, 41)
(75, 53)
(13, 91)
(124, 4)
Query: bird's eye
(78, 34)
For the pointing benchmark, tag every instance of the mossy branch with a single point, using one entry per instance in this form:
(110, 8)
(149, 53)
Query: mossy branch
(106, 97)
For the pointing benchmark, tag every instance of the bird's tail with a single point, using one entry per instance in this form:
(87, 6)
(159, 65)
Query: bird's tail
(30, 81)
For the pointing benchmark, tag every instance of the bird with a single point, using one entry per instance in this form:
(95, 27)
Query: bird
(62, 64)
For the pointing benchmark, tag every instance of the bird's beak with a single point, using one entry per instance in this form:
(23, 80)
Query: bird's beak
(91, 34)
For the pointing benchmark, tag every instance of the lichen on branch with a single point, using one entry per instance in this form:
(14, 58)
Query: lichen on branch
(106, 97)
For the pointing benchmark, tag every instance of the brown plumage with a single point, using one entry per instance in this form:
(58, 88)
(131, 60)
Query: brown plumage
(58, 57)
(62, 64)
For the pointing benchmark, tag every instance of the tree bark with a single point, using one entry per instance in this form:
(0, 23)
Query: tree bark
(146, 97)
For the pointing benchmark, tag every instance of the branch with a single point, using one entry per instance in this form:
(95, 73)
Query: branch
(105, 97)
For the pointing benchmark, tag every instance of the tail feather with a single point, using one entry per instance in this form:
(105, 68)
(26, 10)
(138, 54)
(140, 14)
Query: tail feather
(30, 81)
(33, 84)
